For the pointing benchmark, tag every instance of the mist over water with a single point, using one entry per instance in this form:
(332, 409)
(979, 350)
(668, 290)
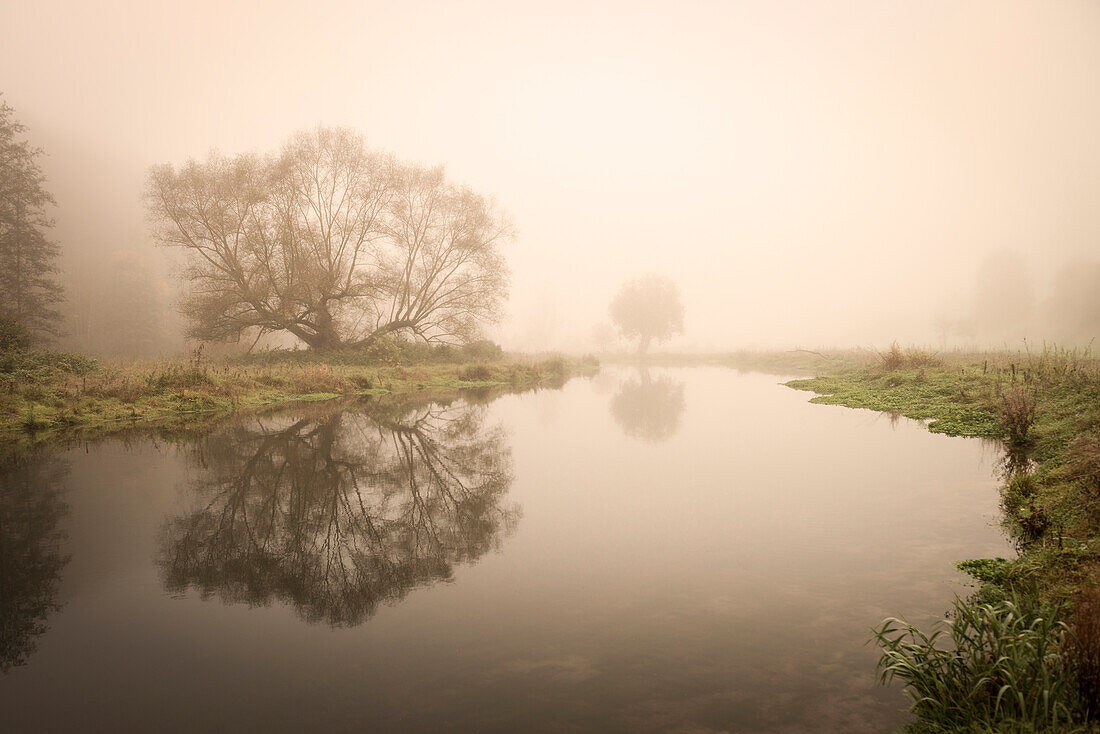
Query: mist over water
(806, 173)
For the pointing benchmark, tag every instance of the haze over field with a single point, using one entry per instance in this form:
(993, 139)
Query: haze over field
(841, 173)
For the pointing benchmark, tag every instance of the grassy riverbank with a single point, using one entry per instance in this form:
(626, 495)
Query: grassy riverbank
(789, 363)
(1025, 648)
(43, 394)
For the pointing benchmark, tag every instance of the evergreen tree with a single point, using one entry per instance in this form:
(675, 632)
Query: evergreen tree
(29, 290)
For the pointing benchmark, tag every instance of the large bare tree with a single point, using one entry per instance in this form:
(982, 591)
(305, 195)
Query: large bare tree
(331, 242)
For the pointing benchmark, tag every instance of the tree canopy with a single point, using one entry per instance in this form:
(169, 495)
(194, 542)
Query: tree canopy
(332, 242)
(29, 290)
(648, 308)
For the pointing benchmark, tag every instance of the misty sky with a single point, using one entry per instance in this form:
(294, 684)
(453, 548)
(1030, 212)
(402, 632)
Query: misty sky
(811, 173)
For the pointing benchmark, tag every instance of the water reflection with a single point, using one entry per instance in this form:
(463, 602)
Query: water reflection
(649, 408)
(1025, 520)
(339, 512)
(31, 555)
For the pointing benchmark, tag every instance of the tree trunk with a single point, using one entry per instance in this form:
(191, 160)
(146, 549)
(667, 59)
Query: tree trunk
(380, 332)
(321, 340)
(323, 336)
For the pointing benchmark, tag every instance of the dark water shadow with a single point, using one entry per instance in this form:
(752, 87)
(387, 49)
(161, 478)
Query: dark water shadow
(338, 511)
(32, 553)
(649, 408)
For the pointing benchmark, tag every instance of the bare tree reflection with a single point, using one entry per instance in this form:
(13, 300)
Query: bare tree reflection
(338, 513)
(649, 408)
(31, 554)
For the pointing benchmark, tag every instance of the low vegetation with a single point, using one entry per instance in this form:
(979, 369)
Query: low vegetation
(1023, 652)
(1003, 662)
(43, 393)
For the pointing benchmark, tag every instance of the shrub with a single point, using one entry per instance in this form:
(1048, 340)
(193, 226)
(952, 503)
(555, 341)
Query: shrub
(894, 359)
(919, 359)
(38, 363)
(989, 570)
(1033, 521)
(13, 335)
(32, 422)
(1019, 492)
(444, 353)
(555, 366)
(1003, 663)
(483, 350)
(475, 373)
(74, 364)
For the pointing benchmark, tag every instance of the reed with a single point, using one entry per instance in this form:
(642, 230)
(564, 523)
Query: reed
(1017, 413)
(989, 664)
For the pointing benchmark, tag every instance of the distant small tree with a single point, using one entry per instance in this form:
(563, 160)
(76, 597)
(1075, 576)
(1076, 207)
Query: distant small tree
(29, 291)
(648, 308)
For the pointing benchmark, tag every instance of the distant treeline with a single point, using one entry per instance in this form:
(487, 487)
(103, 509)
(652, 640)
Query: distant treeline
(1009, 303)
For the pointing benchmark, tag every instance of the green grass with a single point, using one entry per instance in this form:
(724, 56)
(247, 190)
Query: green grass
(958, 403)
(43, 394)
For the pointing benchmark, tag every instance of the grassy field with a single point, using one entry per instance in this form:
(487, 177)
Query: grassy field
(1023, 653)
(47, 394)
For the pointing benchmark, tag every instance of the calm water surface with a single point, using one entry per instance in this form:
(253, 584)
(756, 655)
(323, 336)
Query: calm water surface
(682, 550)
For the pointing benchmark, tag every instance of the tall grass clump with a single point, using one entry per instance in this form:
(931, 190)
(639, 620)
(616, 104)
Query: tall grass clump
(990, 664)
(1017, 413)
(1029, 519)
(892, 359)
(177, 377)
(920, 359)
(1056, 364)
(475, 373)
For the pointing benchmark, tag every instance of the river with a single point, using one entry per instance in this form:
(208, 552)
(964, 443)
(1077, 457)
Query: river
(666, 550)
